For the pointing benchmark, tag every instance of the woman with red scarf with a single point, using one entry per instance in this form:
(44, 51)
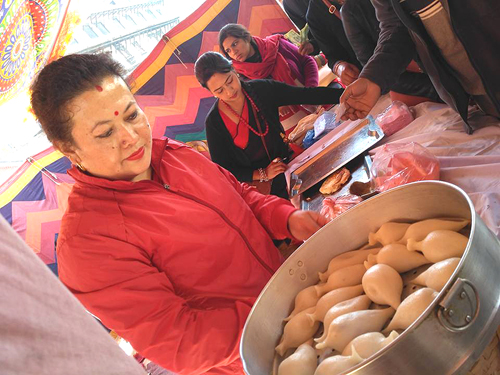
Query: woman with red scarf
(270, 58)
(243, 130)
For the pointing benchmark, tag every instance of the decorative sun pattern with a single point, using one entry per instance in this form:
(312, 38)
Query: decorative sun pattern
(16, 48)
(28, 29)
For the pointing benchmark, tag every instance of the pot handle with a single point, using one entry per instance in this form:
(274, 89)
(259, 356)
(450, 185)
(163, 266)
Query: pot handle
(460, 306)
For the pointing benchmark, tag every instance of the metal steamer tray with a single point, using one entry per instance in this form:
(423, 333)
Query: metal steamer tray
(351, 141)
(447, 338)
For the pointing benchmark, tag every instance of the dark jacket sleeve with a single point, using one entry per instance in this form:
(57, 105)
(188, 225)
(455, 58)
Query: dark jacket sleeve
(394, 51)
(297, 10)
(358, 34)
(221, 146)
(329, 33)
(277, 94)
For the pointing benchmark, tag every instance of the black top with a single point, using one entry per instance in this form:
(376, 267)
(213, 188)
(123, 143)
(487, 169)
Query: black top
(328, 31)
(268, 95)
(297, 10)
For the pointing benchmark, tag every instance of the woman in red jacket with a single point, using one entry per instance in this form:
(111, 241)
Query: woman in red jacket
(164, 246)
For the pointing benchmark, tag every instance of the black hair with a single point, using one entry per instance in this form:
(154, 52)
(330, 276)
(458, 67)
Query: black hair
(210, 63)
(62, 81)
(236, 31)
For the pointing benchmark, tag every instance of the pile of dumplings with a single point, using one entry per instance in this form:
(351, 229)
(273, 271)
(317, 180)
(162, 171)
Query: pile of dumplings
(367, 297)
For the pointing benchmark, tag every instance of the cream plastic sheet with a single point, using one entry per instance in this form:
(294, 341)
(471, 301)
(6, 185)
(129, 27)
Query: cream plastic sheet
(471, 162)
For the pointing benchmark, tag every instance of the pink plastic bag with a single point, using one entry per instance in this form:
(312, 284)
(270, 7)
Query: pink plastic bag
(394, 118)
(400, 163)
(333, 207)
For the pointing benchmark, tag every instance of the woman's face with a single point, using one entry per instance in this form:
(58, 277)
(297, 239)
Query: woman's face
(238, 49)
(112, 137)
(225, 86)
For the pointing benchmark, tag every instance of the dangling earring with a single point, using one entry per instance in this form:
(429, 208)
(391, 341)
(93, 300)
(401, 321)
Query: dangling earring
(81, 167)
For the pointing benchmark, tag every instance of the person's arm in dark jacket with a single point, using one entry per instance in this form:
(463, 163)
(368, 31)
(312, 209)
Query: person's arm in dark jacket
(279, 94)
(361, 41)
(394, 51)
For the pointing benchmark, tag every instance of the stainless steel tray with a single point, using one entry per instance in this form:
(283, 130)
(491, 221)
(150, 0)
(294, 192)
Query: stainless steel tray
(359, 167)
(337, 154)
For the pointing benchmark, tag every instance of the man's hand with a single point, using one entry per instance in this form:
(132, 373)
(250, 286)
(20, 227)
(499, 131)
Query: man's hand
(306, 48)
(303, 224)
(359, 98)
(347, 72)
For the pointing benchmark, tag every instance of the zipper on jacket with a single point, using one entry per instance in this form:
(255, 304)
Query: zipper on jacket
(226, 219)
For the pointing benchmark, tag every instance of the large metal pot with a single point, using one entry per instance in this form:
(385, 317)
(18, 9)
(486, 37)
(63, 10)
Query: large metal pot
(452, 332)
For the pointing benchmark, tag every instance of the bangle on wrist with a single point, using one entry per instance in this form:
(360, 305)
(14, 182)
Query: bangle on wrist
(336, 66)
(263, 175)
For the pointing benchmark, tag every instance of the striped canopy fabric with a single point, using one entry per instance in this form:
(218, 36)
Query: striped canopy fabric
(164, 84)
(34, 199)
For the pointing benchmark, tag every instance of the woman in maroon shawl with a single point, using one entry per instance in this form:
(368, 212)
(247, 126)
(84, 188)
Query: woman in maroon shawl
(272, 57)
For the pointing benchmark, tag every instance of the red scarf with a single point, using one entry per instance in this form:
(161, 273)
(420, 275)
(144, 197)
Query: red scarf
(273, 63)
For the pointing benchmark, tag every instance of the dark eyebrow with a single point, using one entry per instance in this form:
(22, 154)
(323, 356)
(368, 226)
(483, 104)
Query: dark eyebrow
(132, 102)
(224, 83)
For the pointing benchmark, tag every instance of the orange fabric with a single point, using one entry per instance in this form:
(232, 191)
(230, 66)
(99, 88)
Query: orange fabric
(409, 100)
(413, 67)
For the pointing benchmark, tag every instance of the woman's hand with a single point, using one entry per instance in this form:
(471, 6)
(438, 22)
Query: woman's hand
(303, 224)
(275, 168)
(306, 48)
(347, 72)
(285, 110)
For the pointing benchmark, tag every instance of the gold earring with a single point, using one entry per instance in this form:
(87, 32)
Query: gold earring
(80, 167)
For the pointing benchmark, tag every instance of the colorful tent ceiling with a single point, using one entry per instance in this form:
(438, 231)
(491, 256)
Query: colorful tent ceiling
(164, 84)
(28, 31)
(33, 201)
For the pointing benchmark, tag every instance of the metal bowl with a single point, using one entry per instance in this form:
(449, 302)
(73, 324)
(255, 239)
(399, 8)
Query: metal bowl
(451, 333)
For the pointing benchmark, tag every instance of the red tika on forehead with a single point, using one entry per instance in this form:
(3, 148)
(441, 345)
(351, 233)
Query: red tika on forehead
(117, 113)
(98, 88)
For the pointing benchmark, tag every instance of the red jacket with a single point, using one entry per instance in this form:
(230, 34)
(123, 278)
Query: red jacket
(173, 265)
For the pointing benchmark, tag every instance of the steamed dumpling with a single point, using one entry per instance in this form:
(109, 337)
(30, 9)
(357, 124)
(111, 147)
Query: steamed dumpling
(388, 233)
(411, 308)
(347, 259)
(348, 326)
(437, 275)
(306, 298)
(297, 331)
(410, 288)
(338, 364)
(368, 344)
(351, 305)
(383, 285)
(419, 230)
(332, 298)
(303, 362)
(440, 245)
(348, 276)
(398, 257)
